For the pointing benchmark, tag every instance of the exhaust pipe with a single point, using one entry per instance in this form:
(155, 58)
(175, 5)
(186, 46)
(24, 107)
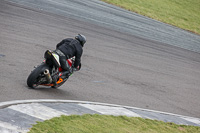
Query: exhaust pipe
(48, 76)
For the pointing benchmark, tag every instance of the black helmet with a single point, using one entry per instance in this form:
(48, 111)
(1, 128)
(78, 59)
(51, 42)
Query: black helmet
(81, 39)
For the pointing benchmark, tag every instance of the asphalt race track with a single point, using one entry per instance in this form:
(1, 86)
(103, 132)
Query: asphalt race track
(118, 66)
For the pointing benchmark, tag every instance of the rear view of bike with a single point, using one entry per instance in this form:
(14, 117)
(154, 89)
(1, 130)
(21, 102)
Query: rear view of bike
(49, 73)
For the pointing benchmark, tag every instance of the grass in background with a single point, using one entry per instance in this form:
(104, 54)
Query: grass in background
(184, 14)
(108, 124)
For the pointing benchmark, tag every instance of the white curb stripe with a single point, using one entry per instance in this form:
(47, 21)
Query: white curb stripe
(8, 128)
(8, 131)
(37, 110)
(193, 120)
(13, 103)
(110, 110)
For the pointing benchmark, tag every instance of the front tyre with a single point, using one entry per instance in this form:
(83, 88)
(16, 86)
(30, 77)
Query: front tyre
(35, 76)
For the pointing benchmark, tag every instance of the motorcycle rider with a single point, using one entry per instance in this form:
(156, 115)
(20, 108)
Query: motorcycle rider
(68, 48)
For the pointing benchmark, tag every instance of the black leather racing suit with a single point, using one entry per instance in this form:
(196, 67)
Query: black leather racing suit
(68, 48)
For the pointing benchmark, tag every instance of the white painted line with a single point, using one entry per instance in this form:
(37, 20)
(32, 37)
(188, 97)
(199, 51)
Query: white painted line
(37, 110)
(193, 120)
(8, 128)
(106, 110)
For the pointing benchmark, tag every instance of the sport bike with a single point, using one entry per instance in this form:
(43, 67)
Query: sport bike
(49, 72)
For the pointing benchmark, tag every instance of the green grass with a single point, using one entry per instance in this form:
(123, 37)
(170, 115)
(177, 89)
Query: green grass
(108, 124)
(184, 14)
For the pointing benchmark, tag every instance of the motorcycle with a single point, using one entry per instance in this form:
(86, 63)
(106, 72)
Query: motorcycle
(49, 72)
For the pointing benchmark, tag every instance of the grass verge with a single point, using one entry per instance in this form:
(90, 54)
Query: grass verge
(180, 13)
(108, 124)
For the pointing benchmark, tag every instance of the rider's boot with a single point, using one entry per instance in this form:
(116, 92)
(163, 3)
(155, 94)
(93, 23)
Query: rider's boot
(66, 74)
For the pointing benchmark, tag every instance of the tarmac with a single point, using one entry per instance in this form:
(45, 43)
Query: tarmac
(19, 116)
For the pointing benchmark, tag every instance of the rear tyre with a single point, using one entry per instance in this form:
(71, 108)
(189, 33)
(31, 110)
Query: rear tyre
(35, 75)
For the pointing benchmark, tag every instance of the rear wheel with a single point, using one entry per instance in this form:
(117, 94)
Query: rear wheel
(36, 76)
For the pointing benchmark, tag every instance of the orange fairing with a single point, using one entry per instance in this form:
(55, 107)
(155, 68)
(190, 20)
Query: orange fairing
(58, 82)
(48, 84)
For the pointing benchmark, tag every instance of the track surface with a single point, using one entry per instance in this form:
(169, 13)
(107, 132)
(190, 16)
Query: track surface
(118, 67)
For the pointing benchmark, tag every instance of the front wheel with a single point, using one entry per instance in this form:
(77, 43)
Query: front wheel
(34, 79)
